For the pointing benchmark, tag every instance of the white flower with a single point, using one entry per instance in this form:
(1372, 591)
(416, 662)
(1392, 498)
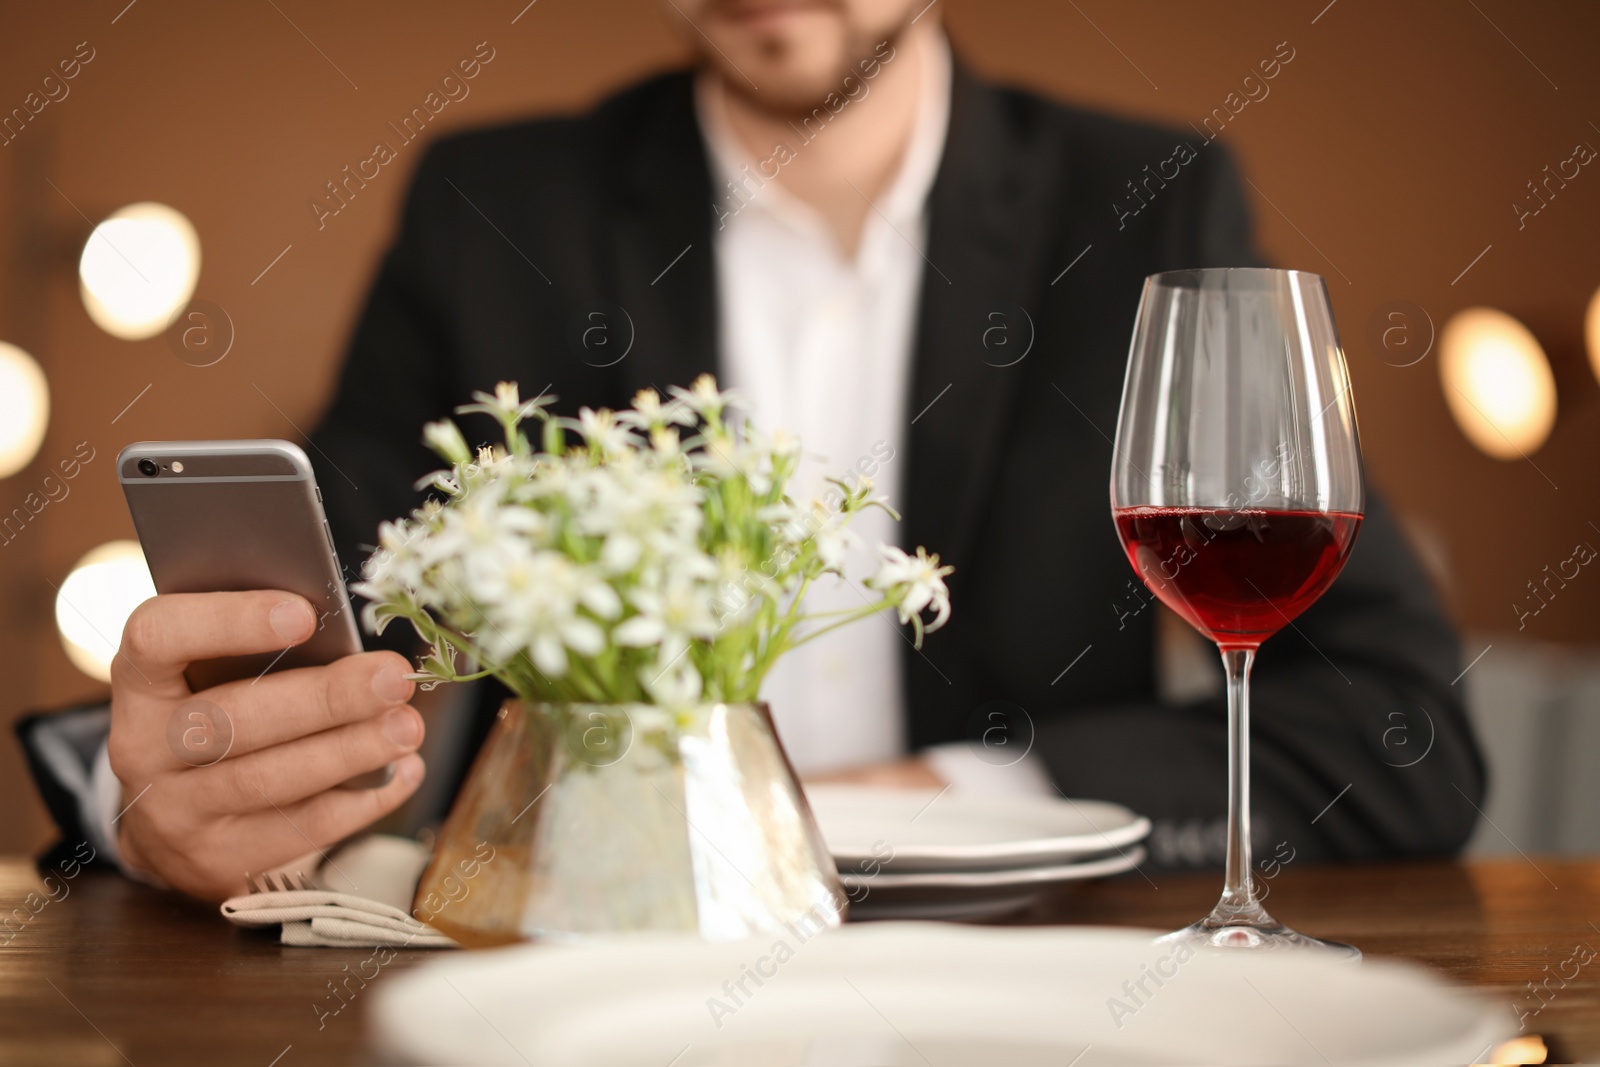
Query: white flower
(478, 522)
(396, 562)
(444, 481)
(636, 512)
(785, 520)
(725, 458)
(918, 582)
(649, 413)
(542, 479)
(780, 444)
(704, 399)
(603, 433)
(818, 523)
(672, 613)
(832, 541)
(532, 602)
(507, 405)
(390, 574)
(664, 440)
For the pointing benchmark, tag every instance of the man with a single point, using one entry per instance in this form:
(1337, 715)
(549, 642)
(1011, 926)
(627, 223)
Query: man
(923, 275)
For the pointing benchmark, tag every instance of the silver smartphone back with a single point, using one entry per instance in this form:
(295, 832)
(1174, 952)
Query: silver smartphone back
(227, 516)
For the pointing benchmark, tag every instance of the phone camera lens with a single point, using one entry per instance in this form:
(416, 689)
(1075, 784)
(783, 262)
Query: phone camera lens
(148, 468)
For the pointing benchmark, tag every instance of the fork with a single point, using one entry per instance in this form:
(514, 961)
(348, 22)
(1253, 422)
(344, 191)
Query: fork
(277, 882)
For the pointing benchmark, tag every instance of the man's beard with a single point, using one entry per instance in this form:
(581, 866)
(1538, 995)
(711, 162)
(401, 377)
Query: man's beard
(800, 101)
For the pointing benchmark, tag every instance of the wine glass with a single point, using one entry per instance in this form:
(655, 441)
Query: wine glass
(1236, 490)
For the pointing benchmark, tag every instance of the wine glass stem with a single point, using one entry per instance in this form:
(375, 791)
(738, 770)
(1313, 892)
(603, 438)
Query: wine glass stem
(1239, 891)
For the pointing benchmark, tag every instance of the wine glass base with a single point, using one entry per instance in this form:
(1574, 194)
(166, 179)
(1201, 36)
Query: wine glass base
(1264, 934)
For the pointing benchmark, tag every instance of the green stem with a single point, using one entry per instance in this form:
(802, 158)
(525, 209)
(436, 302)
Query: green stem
(825, 614)
(799, 598)
(858, 613)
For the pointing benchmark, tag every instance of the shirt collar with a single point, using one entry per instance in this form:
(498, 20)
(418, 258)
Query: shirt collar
(902, 202)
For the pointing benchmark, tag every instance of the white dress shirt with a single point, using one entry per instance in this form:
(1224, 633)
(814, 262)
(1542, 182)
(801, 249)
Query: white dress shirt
(819, 343)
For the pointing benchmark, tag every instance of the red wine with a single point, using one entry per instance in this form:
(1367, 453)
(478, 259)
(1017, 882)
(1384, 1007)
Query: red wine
(1237, 576)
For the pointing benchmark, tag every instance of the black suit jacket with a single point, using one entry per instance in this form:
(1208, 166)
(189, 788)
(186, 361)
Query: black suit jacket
(513, 239)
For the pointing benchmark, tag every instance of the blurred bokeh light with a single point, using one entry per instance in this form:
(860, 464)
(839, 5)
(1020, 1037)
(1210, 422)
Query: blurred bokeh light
(94, 603)
(24, 409)
(139, 269)
(1591, 332)
(1497, 382)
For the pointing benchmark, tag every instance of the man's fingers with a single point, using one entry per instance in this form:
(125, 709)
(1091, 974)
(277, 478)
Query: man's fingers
(330, 816)
(285, 705)
(285, 774)
(167, 633)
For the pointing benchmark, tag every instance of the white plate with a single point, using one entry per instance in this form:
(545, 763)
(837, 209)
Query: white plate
(1010, 878)
(925, 830)
(921, 994)
(968, 895)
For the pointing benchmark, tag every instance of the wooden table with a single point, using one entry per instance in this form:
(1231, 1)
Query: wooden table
(112, 972)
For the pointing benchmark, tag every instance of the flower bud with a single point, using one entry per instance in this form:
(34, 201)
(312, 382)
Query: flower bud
(445, 438)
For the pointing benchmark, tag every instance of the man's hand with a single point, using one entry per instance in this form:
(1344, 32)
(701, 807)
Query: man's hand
(295, 736)
(911, 773)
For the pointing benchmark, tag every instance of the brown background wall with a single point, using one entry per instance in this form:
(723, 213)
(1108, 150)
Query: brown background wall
(1386, 157)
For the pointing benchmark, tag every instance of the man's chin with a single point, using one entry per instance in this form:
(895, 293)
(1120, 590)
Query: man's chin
(787, 79)
(790, 95)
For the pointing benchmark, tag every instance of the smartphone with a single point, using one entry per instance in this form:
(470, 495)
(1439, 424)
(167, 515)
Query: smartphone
(229, 516)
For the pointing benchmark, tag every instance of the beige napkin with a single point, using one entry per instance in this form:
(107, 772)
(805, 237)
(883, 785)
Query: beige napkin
(357, 897)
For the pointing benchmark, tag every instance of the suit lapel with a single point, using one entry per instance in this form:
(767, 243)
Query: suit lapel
(991, 211)
(663, 276)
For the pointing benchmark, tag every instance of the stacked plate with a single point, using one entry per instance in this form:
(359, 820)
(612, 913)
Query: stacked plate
(915, 854)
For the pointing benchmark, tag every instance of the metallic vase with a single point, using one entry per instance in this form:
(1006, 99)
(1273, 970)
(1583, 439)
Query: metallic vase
(582, 819)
